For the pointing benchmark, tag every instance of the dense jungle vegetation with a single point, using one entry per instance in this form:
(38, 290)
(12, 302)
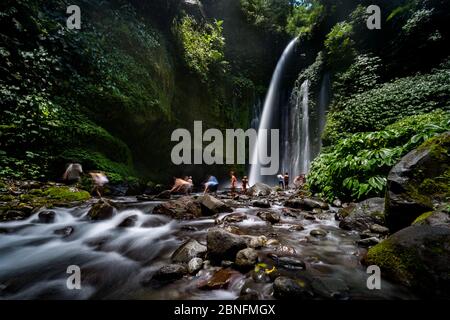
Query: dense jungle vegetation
(109, 95)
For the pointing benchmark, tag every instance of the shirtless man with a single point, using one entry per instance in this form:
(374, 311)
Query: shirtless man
(244, 184)
(233, 183)
(180, 185)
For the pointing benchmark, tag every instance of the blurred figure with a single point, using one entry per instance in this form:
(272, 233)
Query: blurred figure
(191, 185)
(99, 179)
(211, 185)
(233, 183)
(280, 181)
(286, 181)
(73, 173)
(181, 185)
(244, 184)
(299, 181)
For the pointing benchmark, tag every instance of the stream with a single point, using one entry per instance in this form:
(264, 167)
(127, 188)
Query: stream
(34, 256)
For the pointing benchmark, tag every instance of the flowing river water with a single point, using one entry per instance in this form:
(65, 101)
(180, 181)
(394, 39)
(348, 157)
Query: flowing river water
(34, 256)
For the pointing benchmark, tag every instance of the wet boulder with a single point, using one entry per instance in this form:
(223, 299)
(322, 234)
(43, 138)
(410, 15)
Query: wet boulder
(418, 180)
(259, 190)
(65, 232)
(261, 204)
(128, 221)
(163, 195)
(269, 216)
(170, 272)
(361, 216)
(246, 258)
(102, 210)
(233, 218)
(182, 208)
(417, 257)
(223, 245)
(189, 250)
(219, 280)
(288, 288)
(306, 204)
(46, 216)
(439, 217)
(194, 265)
(211, 206)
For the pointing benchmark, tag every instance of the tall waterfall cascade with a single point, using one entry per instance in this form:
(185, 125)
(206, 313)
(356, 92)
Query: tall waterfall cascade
(269, 112)
(301, 122)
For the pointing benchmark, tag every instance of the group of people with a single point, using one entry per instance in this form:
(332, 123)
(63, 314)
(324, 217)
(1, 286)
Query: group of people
(283, 181)
(74, 172)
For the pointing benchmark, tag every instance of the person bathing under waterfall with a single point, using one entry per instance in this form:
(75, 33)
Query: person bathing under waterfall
(233, 184)
(244, 184)
(280, 181)
(211, 185)
(286, 181)
(182, 185)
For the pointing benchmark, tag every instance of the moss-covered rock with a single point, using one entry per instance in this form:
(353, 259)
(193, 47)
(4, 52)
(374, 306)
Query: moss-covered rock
(418, 181)
(361, 216)
(416, 257)
(25, 202)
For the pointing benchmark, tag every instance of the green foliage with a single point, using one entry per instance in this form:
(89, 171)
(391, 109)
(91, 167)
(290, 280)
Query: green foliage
(339, 43)
(203, 46)
(269, 15)
(304, 17)
(356, 167)
(361, 76)
(387, 103)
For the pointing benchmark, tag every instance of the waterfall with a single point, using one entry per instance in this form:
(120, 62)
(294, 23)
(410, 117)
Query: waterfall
(269, 114)
(324, 100)
(305, 151)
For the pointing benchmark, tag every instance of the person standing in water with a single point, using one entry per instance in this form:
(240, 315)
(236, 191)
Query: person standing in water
(280, 181)
(286, 181)
(99, 179)
(233, 183)
(73, 173)
(211, 185)
(244, 184)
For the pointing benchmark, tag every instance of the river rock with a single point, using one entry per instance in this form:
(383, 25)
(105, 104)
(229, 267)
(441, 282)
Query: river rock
(170, 272)
(128, 221)
(188, 250)
(219, 280)
(65, 232)
(261, 204)
(368, 242)
(194, 265)
(415, 182)
(291, 263)
(182, 208)
(269, 216)
(246, 258)
(46, 216)
(318, 233)
(287, 288)
(360, 216)
(234, 218)
(306, 204)
(102, 210)
(255, 241)
(417, 257)
(211, 206)
(223, 245)
(376, 228)
(330, 287)
(439, 218)
(337, 203)
(259, 190)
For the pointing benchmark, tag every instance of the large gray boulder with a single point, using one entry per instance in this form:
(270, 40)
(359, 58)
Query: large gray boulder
(361, 216)
(417, 257)
(189, 250)
(211, 206)
(259, 190)
(223, 245)
(418, 180)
